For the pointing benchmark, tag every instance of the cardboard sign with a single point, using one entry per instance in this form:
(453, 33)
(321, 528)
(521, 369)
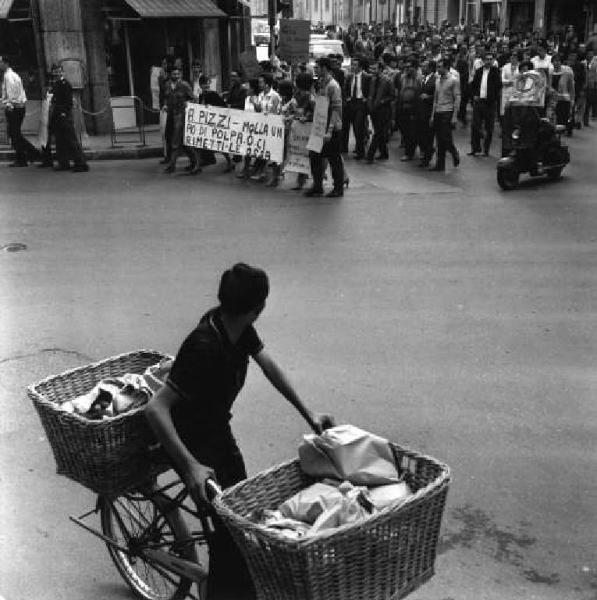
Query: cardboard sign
(294, 40)
(297, 155)
(249, 63)
(44, 121)
(234, 131)
(320, 123)
(529, 89)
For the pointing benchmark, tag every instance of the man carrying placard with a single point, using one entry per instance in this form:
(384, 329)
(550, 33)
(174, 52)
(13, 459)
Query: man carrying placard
(332, 139)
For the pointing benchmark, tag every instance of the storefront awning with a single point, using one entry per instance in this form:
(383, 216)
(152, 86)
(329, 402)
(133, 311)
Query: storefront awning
(5, 6)
(151, 9)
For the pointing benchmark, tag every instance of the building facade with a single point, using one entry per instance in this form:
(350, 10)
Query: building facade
(110, 48)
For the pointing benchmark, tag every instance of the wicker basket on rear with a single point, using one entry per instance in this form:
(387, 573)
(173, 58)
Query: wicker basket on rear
(386, 556)
(109, 456)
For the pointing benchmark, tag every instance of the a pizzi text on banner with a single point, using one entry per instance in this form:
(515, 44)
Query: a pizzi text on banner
(232, 131)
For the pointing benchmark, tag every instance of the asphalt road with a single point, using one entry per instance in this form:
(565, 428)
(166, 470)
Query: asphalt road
(432, 309)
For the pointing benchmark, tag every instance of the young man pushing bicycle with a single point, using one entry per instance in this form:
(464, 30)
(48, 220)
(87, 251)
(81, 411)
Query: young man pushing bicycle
(191, 415)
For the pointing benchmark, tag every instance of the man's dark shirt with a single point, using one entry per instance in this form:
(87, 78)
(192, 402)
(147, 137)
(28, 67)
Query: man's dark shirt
(177, 96)
(211, 98)
(208, 373)
(62, 99)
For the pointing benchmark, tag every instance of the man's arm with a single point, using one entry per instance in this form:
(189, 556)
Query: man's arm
(278, 379)
(159, 415)
(457, 96)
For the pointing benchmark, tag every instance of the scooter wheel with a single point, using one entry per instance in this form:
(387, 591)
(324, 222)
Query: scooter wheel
(555, 174)
(508, 179)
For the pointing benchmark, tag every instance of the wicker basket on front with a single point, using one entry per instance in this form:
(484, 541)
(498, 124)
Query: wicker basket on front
(386, 556)
(108, 456)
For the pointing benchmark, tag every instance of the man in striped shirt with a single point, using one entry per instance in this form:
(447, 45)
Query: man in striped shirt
(14, 101)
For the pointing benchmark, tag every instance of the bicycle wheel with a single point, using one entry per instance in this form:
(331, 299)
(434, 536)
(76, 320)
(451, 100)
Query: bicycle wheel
(136, 521)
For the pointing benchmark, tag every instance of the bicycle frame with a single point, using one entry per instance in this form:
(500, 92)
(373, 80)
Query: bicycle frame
(162, 560)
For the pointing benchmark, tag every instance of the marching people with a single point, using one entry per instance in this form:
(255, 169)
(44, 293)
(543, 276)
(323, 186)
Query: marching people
(14, 101)
(485, 90)
(510, 72)
(332, 144)
(62, 123)
(269, 102)
(562, 84)
(444, 114)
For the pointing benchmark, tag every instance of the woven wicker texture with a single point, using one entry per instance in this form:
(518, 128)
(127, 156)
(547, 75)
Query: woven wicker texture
(383, 557)
(109, 456)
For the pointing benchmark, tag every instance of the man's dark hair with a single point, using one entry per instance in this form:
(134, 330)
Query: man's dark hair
(203, 79)
(243, 289)
(364, 63)
(304, 81)
(446, 63)
(268, 79)
(324, 62)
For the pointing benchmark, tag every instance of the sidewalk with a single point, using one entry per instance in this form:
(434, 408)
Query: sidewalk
(99, 147)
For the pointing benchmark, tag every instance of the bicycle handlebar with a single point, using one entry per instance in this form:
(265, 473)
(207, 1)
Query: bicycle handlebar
(212, 489)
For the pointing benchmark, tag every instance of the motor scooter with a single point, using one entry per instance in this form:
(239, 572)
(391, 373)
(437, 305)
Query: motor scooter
(530, 144)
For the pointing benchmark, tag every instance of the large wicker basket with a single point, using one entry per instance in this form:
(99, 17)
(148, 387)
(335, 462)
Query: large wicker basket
(384, 557)
(108, 456)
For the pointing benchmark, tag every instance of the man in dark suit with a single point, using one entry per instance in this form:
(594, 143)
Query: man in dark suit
(485, 91)
(381, 95)
(424, 129)
(356, 93)
(62, 123)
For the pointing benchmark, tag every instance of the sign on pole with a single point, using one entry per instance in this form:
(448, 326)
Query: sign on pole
(294, 40)
(234, 131)
(320, 123)
(297, 155)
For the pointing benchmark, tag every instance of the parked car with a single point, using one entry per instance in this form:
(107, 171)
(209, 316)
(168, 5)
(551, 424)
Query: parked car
(321, 46)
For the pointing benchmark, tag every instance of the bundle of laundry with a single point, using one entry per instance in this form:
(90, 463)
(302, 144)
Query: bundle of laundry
(329, 504)
(347, 452)
(116, 395)
(359, 478)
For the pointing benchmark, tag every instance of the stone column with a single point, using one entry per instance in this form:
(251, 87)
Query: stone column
(98, 87)
(63, 31)
(212, 65)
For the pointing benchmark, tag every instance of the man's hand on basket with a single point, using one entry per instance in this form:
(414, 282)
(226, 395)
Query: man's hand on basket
(322, 421)
(195, 479)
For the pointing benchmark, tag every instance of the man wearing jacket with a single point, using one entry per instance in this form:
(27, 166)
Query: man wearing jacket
(356, 92)
(485, 91)
(381, 95)
(62, 123)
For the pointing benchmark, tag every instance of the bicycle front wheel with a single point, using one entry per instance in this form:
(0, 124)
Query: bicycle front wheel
(136, 521)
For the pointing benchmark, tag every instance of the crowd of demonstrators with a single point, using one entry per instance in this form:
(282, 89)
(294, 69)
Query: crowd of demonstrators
(461, 70)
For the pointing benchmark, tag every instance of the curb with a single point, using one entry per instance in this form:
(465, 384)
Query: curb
(105, 153)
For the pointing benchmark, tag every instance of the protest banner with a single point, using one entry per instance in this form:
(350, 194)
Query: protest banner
(234, 131)
(320, 123)
(249, 63)
(294, 40)
(297, 155)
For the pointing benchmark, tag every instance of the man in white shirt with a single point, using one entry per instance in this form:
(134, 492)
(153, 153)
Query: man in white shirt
(14, 102)
(542, 61)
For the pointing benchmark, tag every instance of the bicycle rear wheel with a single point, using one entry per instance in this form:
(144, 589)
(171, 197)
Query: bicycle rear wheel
(136, 521)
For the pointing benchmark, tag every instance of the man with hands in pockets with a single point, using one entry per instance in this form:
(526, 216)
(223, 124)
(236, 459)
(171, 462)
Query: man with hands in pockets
(190, 414)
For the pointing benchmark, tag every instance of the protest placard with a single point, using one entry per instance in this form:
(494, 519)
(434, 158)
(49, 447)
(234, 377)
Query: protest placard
(234, 131)
(320, 123)
(294, 40)
(249, 63)
(44, 122)
(297, 155)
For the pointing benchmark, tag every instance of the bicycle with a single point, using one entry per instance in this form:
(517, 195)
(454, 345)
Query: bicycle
(149, 541)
